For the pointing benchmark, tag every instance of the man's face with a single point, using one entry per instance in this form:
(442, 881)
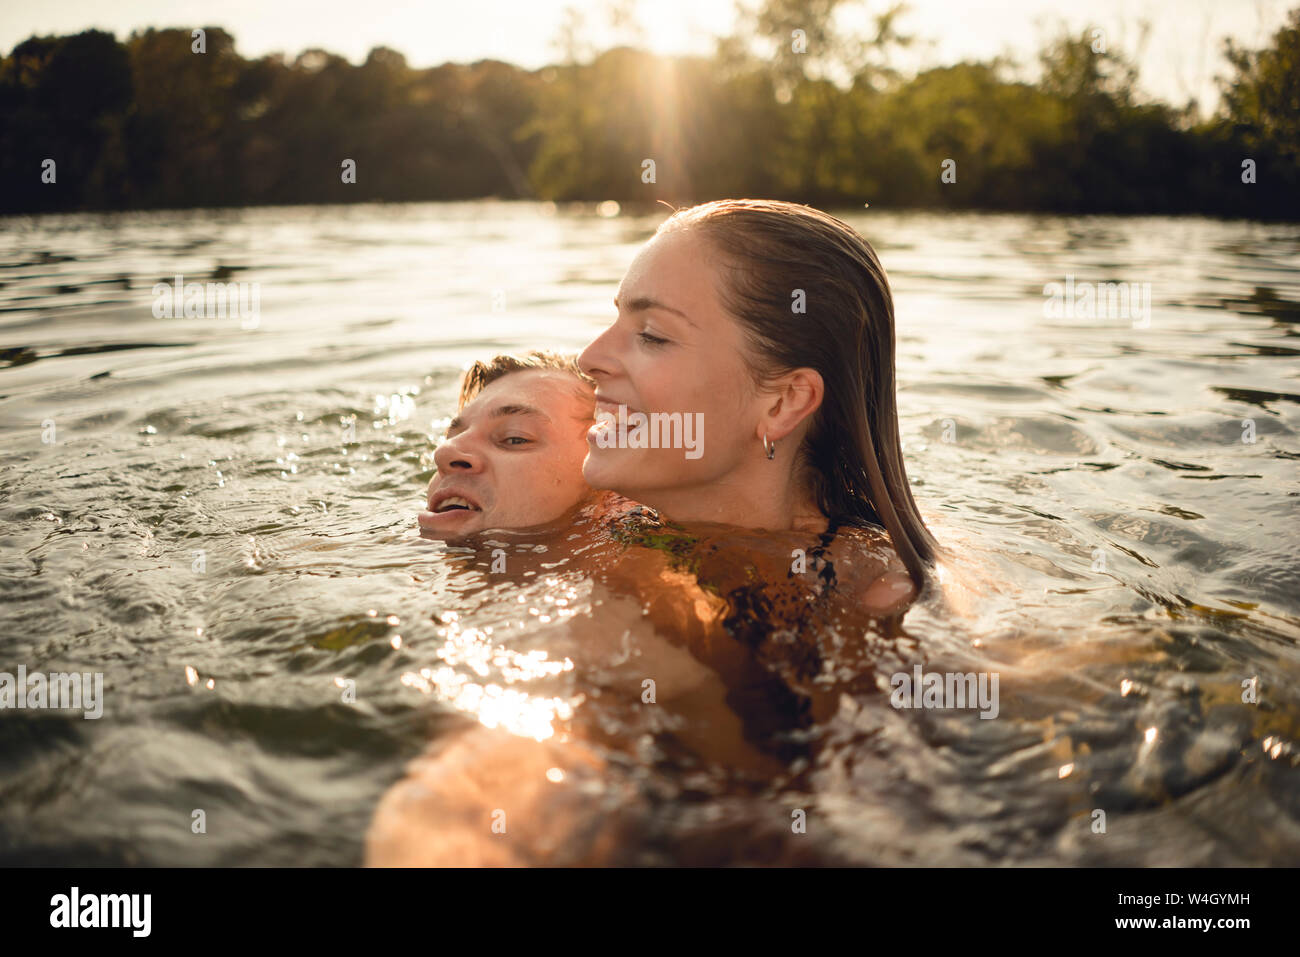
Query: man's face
(513, 456)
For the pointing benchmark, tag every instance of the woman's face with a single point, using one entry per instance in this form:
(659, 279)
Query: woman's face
(672, 349)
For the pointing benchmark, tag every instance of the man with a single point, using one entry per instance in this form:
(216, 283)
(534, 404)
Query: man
(512, 456)
(511, 459)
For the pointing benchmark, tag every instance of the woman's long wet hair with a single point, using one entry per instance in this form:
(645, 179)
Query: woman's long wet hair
(851, 456)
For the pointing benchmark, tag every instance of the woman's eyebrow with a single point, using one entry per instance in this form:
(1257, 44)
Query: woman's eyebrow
(642, 303)
(500, 412)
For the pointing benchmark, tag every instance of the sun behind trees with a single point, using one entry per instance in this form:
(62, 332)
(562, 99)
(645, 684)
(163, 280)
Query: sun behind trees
(148, 123)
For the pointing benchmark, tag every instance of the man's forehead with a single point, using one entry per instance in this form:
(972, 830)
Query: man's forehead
(528, 387)
(542, 393)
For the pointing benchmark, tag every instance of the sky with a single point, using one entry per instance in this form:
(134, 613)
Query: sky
(1179, 61)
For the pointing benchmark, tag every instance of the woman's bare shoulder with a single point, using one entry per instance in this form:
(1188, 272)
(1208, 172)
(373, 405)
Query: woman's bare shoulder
(869, 573)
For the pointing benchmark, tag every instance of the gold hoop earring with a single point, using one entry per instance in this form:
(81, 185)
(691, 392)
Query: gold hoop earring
(769, 449)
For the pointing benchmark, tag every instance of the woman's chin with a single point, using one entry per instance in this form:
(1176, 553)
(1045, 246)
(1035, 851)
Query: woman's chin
(604, 469)
(635, 474)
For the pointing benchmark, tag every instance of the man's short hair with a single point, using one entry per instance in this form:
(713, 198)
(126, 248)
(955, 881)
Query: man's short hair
(482, 374)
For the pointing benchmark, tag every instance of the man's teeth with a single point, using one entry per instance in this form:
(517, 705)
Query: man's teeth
(454, 501)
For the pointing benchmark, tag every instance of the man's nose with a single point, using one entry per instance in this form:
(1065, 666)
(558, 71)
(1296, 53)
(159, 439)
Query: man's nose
(457, 454)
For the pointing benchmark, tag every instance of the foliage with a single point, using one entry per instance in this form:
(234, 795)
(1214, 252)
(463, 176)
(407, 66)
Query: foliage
(146, 123)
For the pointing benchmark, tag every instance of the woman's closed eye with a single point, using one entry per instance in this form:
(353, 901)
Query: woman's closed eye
(651, 339)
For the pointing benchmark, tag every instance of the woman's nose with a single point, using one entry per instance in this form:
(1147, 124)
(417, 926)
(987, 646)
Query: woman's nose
(599, 357)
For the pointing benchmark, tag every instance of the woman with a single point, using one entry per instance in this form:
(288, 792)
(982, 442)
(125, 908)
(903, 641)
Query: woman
(775, 323)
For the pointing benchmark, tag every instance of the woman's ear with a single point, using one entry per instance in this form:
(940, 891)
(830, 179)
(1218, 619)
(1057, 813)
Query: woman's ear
(795, 396)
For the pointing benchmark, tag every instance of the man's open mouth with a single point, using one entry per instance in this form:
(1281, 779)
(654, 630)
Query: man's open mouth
(455, 502)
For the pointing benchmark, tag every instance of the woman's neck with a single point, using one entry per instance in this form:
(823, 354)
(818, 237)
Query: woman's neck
(758, 504)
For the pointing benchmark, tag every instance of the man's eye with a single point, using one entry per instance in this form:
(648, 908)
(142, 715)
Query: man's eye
(516, 440)
(650, 339)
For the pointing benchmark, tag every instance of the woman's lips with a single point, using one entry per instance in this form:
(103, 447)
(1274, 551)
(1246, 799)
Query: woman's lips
(612, 407)
(607, 420)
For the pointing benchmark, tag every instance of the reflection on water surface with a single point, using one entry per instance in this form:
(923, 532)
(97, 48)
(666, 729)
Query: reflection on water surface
(1119, 502)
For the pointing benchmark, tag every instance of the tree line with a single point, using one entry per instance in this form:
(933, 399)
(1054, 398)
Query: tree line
(91, 122)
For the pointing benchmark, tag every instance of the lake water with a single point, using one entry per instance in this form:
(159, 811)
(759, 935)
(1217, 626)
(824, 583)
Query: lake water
(219, 516)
